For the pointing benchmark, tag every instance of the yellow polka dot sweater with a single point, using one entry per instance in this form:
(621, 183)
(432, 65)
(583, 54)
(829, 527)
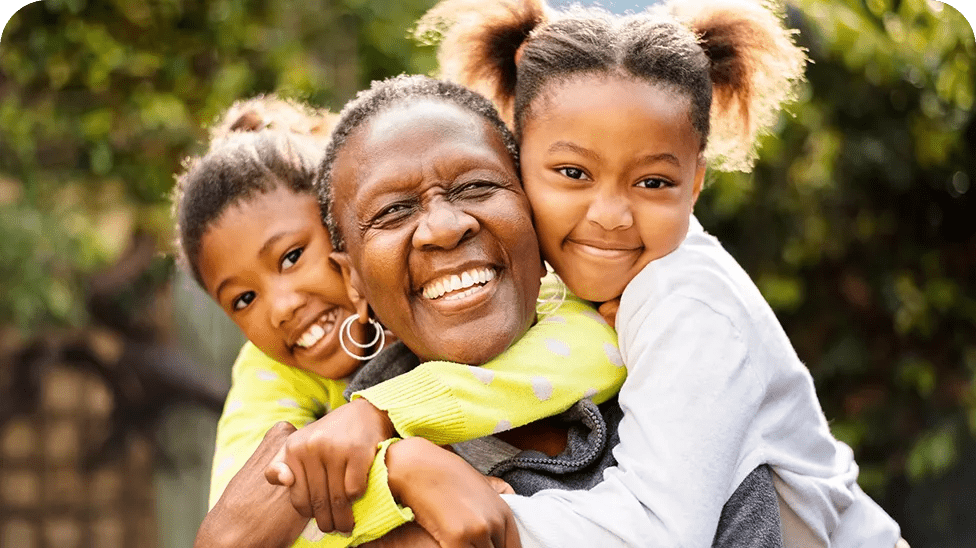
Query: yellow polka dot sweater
(569, 354)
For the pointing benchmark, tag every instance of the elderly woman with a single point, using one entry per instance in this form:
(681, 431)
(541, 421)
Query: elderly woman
(421, 182)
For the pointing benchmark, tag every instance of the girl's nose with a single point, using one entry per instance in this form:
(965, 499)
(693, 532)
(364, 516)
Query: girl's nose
(611, 211)
(285, 301)
(444, 225)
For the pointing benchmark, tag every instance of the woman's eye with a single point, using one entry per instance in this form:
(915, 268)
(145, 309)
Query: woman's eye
(291, 258)
(573, 172)
(392, 214)
(241, 302)
(473, 189)
(654, 182)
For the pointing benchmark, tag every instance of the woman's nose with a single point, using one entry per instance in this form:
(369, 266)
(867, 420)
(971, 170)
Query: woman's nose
(444, 225)
(611, 211)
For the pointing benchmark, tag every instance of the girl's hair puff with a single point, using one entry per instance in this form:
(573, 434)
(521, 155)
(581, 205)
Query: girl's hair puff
(479, 43)
(256, 146)
(755, 68)
(737, 50)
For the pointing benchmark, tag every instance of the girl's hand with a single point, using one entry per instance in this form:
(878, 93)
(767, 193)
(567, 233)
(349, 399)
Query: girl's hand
(326, 464)
(451, 500)
(609, 311)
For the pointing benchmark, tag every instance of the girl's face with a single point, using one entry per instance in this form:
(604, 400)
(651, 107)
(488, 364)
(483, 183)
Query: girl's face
(266, 262)
(438, 231)
(612, 168)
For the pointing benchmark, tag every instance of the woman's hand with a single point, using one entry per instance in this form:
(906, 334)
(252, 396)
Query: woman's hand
(451, 500)
(326, 464)
(251, 512)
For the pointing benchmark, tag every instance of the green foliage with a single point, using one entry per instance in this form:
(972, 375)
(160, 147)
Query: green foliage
(101, 100)
(858, 225)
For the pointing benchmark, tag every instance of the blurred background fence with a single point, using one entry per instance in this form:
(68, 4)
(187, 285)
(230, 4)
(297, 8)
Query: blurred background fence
(859, 225)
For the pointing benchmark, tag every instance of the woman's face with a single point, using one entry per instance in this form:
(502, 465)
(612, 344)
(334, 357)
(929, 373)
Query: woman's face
(438, 231)
(266, 262)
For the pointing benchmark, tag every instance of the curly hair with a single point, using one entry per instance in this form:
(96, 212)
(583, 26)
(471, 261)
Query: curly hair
(384, 95)
(256, 146)
(733, 59)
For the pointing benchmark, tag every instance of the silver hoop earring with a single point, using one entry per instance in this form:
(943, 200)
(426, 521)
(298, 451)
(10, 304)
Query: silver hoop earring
(346, 331)
(552, 300)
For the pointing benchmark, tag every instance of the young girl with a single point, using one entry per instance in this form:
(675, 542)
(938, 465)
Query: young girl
(616, 118)
(250, 232)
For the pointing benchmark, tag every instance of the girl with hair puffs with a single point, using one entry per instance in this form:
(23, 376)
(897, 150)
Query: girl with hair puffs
(616, 119)
(250, 232)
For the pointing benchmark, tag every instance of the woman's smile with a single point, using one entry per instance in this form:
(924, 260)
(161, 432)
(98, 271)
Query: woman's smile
(438, 231)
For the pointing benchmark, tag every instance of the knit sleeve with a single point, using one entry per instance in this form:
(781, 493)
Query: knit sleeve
(264, 392)
(567, 355)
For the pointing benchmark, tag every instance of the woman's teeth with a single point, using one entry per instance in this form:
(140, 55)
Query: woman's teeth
(476, 276)
(317, 330)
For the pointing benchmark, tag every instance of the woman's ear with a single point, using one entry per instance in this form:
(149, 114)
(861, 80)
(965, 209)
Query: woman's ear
(353, 283)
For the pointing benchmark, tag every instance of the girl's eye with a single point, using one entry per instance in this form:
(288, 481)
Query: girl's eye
(241, 302)
(291, 257)
(654, 182)
(573, 173)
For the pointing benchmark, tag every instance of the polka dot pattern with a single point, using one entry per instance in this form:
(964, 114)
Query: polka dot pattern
(554, 319)
(589, 393)
(557, 347)
(224, 465)
(595, 316)
(502, 426)
(542, 387)
(234, 405)
(267, 376)
(311, 532)
(482, 374)
(613, 354)
(288, 402)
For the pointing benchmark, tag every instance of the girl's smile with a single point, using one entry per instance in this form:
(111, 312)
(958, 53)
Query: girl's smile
(266, 261)
(612, 168)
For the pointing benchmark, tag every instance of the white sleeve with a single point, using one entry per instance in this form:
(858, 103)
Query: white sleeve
(688, 402)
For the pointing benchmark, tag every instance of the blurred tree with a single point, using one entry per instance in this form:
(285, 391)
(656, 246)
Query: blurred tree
(859, 223)
(100, 101)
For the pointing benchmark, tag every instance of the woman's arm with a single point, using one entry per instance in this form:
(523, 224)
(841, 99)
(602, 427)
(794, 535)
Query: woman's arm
(568, 355)
(264, 393)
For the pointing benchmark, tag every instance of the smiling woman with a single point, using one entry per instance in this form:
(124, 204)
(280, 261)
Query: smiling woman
(437, 234)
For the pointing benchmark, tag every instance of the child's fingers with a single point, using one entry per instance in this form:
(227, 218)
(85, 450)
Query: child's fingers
(357, 476)
(320, 504)
(277, 472)
(339, 499)
(298, 493)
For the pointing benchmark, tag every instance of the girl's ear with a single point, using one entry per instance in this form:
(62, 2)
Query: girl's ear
(353, 282)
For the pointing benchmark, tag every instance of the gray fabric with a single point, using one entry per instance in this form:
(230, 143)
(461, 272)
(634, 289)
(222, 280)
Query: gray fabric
(751, 515)
(485, 453)
(750, 518)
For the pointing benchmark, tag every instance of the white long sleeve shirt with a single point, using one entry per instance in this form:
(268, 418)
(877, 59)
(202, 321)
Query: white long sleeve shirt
(714, 389)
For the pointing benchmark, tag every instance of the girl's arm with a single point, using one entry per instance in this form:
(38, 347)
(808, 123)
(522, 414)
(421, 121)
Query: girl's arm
(688, 402)
(264, 393)
(568, 355)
